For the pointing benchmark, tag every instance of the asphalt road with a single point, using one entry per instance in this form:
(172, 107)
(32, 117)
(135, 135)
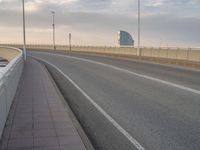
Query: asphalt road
(157, 105)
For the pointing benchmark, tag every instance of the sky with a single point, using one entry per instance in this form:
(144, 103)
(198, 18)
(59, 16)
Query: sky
(173, 23)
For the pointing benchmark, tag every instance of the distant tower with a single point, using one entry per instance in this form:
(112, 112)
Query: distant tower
(125, 39)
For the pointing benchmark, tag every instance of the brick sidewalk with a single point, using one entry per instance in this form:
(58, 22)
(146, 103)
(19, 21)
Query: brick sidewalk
(38, 119)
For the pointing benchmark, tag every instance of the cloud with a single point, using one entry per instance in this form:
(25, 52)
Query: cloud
(157, 3)
(97, 22)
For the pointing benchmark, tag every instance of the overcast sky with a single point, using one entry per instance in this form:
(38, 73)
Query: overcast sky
(96, 22)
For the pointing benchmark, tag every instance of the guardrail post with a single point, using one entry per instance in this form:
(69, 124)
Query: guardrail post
(167, 52)
(188, 57)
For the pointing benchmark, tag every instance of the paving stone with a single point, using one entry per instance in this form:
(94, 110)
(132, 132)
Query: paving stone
(44, 133)
(41, 109)
(21, 134)
(22, 121)
(24, 110)
(58, 109)
(25, 106)
(47, 141)
(43, 125)
(20, 143)
(72, 147)
(66, 131)
(64, 118)
(47, 148)
(63, 124)
(30, 148)
(38, 119)
(24, 115)
(70, 140)
(22, 126)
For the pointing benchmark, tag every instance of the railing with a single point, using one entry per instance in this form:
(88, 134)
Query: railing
(9, 78)
(181, 53)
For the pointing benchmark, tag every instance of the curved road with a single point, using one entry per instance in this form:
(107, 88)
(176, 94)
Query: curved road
(157, 105)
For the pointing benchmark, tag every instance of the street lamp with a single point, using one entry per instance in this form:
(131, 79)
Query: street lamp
(70, 37)
(24, 31)
(54, 45)
(138, 49)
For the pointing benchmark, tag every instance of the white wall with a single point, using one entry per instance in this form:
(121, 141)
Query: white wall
(9, 78)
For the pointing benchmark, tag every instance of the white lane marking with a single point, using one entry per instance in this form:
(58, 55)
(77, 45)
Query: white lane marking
(135, 74)
(107, 116)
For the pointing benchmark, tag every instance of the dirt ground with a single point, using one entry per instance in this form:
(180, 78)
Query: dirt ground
(8, 54)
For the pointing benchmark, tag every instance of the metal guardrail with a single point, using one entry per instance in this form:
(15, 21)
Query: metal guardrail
(9, 78)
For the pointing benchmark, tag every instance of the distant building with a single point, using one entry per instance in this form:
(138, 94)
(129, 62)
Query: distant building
(125, 39)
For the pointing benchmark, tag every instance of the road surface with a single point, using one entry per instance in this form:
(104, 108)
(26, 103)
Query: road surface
(156, 107)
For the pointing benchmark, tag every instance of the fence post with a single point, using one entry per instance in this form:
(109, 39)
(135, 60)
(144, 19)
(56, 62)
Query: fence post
(177, 53)
(168, 52)
(188, 57)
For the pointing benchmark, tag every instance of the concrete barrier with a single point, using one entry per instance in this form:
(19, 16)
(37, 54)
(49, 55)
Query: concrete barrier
(9, 78)
(182, 54)
(170, 53)
(194, 55)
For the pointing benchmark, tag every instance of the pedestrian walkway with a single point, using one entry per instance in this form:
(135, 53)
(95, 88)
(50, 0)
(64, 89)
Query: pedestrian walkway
(38, 119)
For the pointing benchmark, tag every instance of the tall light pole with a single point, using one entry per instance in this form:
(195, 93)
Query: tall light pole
(70, 44)
(24, 31)
(54, 43)
(138, 49)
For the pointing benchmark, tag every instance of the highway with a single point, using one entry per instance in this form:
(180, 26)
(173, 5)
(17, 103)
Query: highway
(131, 104)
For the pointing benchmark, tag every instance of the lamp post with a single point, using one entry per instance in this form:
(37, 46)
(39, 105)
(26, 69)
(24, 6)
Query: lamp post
(138, 49)
(24, 31)
(70, 46)
(54, 45)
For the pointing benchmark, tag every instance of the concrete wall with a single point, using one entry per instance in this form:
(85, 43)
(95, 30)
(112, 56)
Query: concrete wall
(9, 78)
(175, 53)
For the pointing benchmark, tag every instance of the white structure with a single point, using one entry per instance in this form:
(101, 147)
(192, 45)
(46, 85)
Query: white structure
(9, 78)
